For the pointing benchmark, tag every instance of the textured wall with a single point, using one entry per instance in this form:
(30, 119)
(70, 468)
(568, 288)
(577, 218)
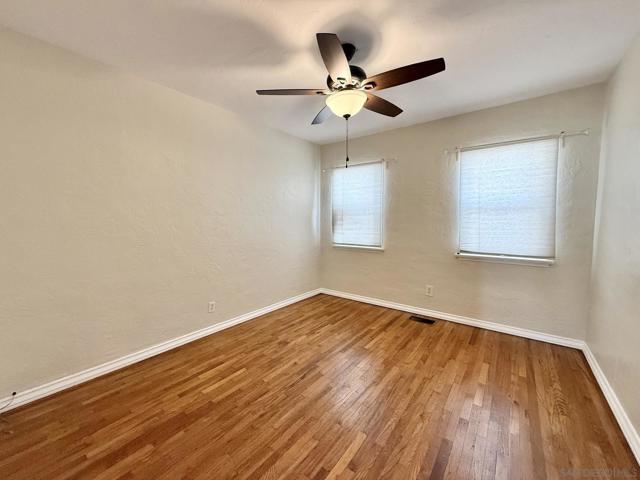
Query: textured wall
(421, 235)
(126, 206)
(613, 332)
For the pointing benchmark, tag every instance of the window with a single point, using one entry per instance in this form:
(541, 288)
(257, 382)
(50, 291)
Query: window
(508, 200)
(357, 196)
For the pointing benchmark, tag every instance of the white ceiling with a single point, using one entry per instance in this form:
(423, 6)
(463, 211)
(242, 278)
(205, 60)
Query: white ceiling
(497, 51)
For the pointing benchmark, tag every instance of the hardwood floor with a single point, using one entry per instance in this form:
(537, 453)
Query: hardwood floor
(328, 388)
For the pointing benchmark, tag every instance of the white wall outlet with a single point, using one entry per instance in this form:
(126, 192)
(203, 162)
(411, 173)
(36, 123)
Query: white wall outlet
(212, 307)
(428, 291)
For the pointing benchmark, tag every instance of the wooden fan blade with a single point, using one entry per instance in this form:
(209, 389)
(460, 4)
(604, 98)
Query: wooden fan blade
(322, 116)
(380, 105)
(293, 91)
(333, 56)
(406, 74)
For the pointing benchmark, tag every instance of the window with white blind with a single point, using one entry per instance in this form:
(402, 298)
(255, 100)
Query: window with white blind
(357, 205)
(508, 200)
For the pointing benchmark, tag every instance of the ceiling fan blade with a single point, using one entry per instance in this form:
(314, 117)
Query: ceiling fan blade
(333, 56)
(380, 105)
(322, 116)
(406, 74)
(293, 91)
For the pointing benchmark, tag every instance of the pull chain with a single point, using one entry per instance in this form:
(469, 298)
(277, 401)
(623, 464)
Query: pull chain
(346, 164)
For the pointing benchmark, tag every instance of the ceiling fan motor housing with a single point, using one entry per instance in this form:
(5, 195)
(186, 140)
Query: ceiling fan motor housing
(358, 76)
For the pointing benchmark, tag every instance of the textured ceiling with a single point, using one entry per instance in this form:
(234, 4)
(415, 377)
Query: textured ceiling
(497, 51)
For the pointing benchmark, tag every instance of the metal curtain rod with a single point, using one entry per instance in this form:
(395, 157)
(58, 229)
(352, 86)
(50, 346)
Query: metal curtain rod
(523, 140)
(355, 164)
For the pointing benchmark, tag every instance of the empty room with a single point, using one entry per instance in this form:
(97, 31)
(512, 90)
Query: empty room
(293, 239)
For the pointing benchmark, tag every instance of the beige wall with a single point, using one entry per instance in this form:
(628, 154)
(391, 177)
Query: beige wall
(613, 332)
(421, 235)
(126, 206)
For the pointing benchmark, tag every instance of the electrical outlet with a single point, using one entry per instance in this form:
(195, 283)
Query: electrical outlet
(212, 307)
(428, 291)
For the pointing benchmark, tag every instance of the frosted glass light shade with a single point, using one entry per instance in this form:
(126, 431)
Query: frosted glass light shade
(346, 102)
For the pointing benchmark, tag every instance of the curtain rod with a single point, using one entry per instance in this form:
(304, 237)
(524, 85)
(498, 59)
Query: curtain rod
(384, 160)
(523, 140)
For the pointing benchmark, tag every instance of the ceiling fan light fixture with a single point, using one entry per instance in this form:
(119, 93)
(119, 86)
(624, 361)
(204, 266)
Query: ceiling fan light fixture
(346, 103)
(349, 88)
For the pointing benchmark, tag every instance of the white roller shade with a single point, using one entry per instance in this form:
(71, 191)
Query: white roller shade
(508, 199)
(357, 195)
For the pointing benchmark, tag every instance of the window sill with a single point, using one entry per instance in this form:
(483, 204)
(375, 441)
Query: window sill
(529, 261)
(358, 247)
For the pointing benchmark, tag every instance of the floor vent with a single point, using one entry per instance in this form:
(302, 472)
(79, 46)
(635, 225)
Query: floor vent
(427, 320)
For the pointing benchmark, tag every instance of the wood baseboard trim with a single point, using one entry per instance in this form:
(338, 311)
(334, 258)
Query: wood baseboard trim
(74, 379)
(629, 431)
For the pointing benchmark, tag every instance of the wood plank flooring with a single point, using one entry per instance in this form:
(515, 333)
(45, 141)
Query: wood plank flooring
(328, 388)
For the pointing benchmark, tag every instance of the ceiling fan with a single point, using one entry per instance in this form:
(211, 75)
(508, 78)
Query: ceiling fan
(348, 87)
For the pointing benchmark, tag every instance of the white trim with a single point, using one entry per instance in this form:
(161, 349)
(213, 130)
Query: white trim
(629, 431)
(510, 259)
(74, 379)
(357, 247)
(474, 322)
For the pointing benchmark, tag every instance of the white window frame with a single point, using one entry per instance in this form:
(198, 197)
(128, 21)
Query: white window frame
(382, 210)
(499, 258)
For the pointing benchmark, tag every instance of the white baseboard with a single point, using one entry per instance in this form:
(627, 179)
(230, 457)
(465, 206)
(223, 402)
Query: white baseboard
(74, 379)
(45, 390)
(497, 327)
(630, 433)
